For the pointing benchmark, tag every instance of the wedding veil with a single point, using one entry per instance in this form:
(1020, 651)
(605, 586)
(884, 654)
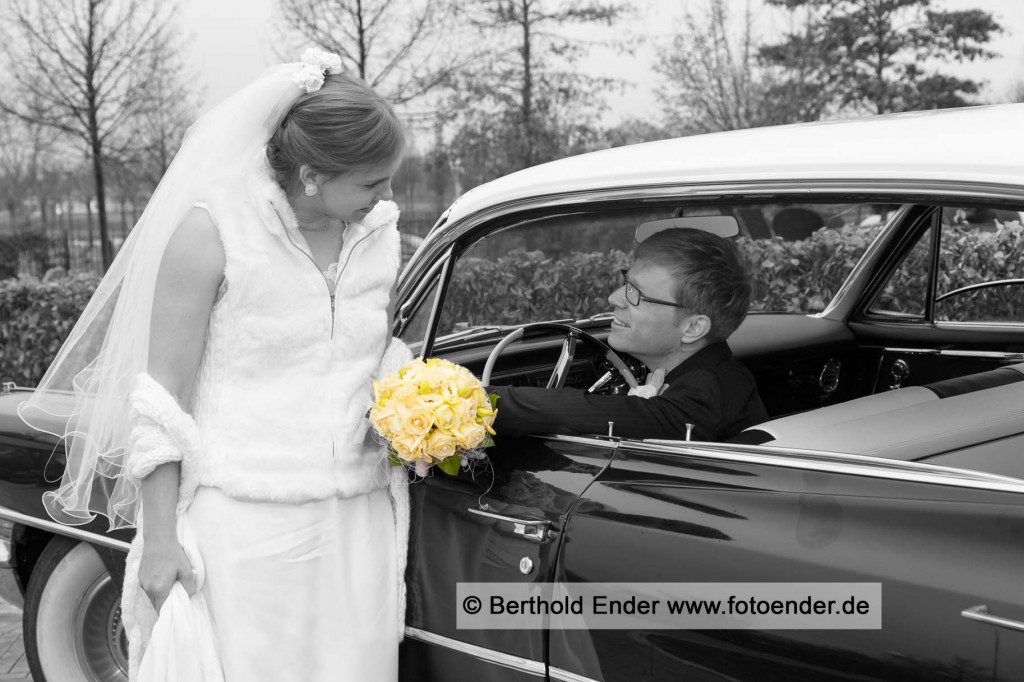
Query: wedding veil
(86, 388)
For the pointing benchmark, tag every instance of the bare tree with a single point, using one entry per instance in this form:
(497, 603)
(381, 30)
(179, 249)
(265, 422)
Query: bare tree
(27, 159)
(15, 166)
(404, 49)
(714, 80)
(159, 128)
(92, 65)
(526, 103)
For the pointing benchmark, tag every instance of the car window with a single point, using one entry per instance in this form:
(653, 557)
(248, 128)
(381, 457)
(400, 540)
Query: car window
(416, 326)
(565, 266)
(905, 294)
(808, 251)
(980, 276)
(544, 269)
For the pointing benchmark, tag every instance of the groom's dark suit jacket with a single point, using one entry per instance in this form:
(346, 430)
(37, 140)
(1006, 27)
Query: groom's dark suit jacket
(710, 390)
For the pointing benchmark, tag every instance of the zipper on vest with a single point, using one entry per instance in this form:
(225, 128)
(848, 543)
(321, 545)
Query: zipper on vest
(337, 281)
(330, 291)
(341, 270)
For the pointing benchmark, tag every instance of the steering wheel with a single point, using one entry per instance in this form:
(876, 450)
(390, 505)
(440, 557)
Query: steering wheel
(944, 298)
(561, 370)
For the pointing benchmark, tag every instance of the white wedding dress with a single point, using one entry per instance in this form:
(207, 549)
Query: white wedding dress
(303, 546)
(300, 592)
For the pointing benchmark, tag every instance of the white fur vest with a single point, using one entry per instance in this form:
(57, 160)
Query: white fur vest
(287, 375)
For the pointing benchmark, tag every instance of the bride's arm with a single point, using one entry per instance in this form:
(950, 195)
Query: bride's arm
(186, 287)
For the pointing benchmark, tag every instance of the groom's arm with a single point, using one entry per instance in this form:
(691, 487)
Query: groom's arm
(697, 400)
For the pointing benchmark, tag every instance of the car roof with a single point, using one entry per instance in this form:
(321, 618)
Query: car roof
(971, 144)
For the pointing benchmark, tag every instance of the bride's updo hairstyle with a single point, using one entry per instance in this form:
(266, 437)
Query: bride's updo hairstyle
(338, 128)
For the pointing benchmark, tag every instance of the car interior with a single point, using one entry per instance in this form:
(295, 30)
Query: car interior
(896, 374)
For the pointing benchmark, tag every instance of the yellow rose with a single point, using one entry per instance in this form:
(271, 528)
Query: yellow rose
(415, 418)
(441, 445)
(432, 401)
(380, 416)
(386, 387)
(466, 411)
(466, 379)
(446, 418)
(471, 434)
(450, 394)
(409, 448)
(410, 370)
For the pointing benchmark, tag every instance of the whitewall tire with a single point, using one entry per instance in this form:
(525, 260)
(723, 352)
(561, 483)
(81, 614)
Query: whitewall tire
(72, 625)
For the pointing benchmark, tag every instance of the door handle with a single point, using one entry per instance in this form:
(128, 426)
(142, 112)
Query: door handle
(980, 613)
(531, 529)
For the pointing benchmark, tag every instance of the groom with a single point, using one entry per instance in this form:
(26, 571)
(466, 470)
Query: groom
(685, 293)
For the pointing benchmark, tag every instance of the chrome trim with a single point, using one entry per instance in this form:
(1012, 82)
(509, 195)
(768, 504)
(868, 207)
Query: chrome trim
(979, 285)
(981, 326)
(912, 351)
(519, 663)
(566, 676)
(600, 441)
(837, 463)
(412, 302)
(980, 613)
(61, 529)
(531, 529)
(1014, 357)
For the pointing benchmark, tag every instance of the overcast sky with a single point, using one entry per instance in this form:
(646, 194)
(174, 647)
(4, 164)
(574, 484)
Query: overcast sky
(232, 41)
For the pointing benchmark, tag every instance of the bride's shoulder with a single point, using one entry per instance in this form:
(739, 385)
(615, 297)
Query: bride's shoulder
(195, 247)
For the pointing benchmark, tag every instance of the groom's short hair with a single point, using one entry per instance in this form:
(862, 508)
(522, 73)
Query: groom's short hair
(710, 274)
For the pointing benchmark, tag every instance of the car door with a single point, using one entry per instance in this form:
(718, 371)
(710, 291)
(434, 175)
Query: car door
(939, 545)
(947, 295)
(499, 522)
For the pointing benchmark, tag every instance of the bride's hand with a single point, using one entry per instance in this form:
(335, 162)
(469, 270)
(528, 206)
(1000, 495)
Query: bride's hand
(163, 564)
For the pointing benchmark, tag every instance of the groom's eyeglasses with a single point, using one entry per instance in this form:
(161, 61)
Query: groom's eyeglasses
(634, 295)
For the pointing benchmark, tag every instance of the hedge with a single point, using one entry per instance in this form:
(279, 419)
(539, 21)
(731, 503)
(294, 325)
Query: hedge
(36, 315)
(790, 276)
(799, 276)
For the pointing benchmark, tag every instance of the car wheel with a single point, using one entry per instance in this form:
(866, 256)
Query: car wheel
(72, 625)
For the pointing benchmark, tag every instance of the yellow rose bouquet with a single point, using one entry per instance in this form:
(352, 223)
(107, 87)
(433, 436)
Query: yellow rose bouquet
(432, 412)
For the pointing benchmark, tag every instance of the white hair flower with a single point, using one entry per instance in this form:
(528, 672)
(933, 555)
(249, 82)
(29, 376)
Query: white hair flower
(316, 63)
(310, 78)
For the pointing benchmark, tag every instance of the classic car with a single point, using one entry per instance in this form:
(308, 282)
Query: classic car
(887, 340)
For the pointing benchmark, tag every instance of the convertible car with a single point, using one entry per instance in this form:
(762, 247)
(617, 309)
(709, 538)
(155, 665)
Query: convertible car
(887, 340)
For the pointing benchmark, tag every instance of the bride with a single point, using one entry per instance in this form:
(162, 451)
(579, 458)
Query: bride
(223, 370)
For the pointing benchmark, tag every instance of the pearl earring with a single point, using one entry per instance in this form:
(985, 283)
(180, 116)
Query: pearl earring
(310, 190)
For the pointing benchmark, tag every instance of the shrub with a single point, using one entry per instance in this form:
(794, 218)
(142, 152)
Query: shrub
(525, 286)
(789, 276)
(970, 256)
(803, 276)
(36, 316)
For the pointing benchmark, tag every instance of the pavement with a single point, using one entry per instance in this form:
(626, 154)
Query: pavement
(13, 665)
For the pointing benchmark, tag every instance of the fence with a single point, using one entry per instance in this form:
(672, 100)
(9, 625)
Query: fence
(35, 251)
